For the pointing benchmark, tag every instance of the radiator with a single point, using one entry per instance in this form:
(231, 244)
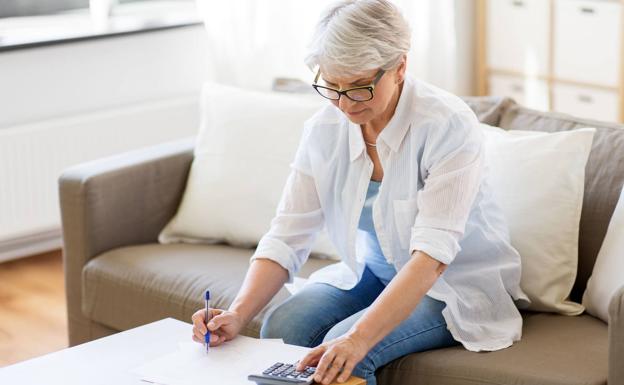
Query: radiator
(33, 156)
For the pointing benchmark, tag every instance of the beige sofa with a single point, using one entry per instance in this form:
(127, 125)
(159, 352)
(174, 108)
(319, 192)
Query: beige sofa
(119, 277)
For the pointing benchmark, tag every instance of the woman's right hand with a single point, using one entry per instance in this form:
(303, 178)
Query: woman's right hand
(223, 325)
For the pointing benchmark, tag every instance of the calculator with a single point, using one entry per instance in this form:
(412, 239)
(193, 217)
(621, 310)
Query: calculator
(283, 374)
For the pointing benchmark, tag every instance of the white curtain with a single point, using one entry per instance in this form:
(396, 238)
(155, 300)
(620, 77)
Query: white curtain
(254, 41)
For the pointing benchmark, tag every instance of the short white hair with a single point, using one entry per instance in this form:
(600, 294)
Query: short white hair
(355, 36)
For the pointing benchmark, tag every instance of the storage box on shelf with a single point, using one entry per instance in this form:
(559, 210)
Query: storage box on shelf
(560, 55)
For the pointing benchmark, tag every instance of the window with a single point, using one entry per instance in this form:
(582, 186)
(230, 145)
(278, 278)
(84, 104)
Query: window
(34, 23)
(17, 8)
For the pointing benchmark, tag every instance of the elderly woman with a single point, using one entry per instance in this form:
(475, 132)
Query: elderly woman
(394, 168)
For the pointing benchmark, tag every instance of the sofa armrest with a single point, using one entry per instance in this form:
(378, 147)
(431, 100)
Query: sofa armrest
(121, 200)
(616, 338)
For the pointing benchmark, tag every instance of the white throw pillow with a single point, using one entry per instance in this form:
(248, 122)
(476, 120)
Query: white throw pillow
(243, 152)
(608, 273)
(538, 179)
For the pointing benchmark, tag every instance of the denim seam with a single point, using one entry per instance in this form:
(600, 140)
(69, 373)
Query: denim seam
(376, 355)
(325, 330)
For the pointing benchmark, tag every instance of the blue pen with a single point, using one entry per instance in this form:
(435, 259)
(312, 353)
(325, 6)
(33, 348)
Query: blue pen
(207, 336)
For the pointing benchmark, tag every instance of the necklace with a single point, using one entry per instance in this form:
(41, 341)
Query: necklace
(370, 144)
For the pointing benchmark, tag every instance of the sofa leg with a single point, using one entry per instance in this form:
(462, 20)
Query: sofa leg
(83, 330)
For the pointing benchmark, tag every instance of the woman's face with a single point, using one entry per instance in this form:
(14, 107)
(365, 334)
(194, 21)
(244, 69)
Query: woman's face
(386, 92)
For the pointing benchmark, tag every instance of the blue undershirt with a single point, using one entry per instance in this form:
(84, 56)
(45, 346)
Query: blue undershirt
(374, 258)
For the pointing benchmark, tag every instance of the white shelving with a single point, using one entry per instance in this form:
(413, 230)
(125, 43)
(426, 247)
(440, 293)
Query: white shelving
(559, 55)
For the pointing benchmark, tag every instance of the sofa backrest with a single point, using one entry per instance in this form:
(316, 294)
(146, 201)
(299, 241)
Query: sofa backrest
(489, 109)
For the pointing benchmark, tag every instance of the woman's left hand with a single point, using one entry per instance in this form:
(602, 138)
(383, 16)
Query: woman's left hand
(331, 357)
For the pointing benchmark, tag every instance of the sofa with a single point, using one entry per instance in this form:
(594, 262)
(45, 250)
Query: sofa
(118, 276)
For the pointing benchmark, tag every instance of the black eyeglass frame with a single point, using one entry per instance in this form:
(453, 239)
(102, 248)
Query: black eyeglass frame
(370, 88)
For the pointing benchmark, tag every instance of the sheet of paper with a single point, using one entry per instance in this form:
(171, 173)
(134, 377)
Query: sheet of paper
(228, 364)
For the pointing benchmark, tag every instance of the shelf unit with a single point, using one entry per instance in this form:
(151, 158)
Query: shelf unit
(557, 55)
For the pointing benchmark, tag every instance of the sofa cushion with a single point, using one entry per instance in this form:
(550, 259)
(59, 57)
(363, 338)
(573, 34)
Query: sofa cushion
(604, 177)
(131, 286)
(238, 156)
(135, 285)
(554, 350)
(542, 209)
(607, 275)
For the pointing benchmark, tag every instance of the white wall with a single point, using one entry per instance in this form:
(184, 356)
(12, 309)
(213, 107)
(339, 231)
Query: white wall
(68, 79)
(70, 103)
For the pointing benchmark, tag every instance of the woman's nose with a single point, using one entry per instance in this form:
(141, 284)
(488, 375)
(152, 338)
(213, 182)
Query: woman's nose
(344, 103)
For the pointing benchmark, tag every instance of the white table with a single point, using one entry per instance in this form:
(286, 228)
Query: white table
(103, 361)
(108, 360)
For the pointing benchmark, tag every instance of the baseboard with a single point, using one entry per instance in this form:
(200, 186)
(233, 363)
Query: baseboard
(31, 244)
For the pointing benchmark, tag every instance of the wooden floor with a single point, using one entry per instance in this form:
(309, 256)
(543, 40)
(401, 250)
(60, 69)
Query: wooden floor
(32, 307)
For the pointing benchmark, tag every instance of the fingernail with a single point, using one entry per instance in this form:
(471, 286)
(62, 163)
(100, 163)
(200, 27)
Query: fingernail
(211, 325)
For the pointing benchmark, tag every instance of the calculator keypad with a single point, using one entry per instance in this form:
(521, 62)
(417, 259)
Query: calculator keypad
(288, 371)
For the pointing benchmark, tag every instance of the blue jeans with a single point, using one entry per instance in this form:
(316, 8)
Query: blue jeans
(321, 312)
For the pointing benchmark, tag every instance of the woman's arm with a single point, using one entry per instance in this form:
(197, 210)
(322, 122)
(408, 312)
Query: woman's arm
(262, 281)
(397, 301)
(279, 255)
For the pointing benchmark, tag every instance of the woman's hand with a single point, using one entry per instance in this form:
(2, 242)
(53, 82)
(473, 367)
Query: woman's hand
(338, 355)
(224, 325)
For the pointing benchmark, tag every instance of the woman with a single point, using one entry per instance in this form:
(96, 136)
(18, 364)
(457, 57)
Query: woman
(394, 168)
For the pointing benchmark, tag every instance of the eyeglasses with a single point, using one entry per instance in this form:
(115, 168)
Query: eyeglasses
(357, 94)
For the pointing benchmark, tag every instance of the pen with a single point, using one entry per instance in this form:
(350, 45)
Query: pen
(207, 336)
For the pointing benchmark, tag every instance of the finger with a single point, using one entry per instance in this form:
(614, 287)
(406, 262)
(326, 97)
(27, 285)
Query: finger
(218, 341)
(199, 315)
(215, 312)
(336, 365)
(347, 370)
(199, 320)
(311, 359)
(198, 333)
(201, 341)
(323, 365)
(218, 321)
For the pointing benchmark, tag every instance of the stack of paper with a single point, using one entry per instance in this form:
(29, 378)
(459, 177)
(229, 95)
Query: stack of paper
(228, 364)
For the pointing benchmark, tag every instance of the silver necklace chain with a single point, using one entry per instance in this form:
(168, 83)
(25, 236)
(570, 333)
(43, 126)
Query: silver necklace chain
(370, 144)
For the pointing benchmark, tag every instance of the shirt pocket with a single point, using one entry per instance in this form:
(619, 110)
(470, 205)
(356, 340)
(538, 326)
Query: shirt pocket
(405, 211)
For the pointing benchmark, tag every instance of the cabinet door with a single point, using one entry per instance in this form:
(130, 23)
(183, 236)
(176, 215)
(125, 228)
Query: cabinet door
(586, 102)
(587, 41)
(532, 93)
(517, 35)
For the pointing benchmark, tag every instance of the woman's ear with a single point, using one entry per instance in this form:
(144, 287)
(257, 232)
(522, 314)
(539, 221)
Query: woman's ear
(401, 68)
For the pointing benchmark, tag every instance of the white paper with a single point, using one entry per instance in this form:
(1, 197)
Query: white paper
(229, 363)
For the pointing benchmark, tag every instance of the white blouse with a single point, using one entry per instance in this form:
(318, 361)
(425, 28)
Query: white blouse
(435, 197)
